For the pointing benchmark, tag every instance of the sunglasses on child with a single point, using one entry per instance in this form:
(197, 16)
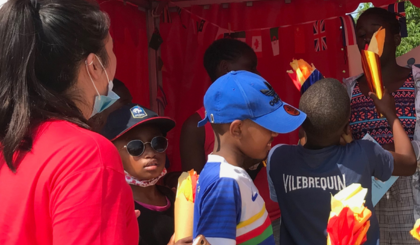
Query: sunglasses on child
(137, 147)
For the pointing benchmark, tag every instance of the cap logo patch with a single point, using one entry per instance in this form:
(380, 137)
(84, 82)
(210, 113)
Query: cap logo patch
(291, 110)
(270, 92)
(138, 112)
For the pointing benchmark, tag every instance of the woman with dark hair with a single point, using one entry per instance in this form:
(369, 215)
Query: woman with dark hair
(398, 210)
(60, 183)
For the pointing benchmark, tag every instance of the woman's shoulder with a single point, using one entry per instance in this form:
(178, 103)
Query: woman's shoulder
(73, 135)
(75, 145)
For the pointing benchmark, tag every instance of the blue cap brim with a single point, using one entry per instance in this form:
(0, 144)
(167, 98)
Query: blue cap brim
(203, 122)
(282, 121)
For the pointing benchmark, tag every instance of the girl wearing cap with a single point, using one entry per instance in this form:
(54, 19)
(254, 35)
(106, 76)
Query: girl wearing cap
(398, 210)
(139, 136)
(60, 183)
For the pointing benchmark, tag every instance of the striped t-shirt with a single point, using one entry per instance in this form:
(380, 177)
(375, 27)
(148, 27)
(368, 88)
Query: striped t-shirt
(228, 208)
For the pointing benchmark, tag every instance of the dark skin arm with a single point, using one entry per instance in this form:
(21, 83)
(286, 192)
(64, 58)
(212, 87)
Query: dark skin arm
(192, 145)
(405, 162)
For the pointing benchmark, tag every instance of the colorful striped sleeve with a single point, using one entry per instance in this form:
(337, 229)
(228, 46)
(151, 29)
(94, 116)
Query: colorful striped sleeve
(220, 212)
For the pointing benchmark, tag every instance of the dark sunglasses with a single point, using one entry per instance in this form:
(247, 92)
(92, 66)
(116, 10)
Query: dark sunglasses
(137, 147)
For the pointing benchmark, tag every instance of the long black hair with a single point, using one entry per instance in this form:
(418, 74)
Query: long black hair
(42, 45)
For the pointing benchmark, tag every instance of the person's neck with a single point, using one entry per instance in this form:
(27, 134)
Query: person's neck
(232, 155)
(145, 194)
(390, 68)
(316, 144)
(80, 98)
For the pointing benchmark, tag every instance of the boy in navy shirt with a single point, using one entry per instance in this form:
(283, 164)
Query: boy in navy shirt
(303, 178)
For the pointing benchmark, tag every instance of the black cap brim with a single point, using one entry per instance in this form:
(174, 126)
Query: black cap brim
(165, 124)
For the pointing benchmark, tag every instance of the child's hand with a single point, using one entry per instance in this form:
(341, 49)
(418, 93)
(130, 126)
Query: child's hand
(137, 212)
(386, 105)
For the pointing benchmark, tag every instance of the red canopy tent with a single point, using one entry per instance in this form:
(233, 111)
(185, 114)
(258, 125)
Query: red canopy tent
(173, 81)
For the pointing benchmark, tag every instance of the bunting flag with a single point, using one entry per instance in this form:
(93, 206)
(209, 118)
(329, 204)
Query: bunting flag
(199, 28)
(255, 41)
(320, 38)
(183, 17)
(241, 36)
(348, 29)
(155, 40)
(300, 47)
(220, 33)
(399, 9)
(274, 34)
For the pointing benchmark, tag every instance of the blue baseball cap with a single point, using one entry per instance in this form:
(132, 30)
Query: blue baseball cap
(241, 95)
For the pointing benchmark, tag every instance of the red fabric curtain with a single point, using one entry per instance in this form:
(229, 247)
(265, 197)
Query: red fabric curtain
(128, 30)
(185, 80)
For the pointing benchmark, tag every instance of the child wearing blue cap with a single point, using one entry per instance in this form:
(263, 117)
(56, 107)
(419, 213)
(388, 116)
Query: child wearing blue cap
(303, 178)
(246, 114)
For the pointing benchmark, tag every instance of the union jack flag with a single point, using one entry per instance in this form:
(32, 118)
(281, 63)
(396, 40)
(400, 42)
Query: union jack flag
(399, 9)
(320, 38)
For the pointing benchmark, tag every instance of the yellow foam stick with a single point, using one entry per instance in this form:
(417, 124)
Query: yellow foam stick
(185, 187)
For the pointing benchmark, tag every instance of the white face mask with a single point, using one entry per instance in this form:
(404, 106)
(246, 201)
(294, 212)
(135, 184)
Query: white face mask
(102, 102)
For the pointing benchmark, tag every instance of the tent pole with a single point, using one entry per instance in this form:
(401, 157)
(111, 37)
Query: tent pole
(154, 77)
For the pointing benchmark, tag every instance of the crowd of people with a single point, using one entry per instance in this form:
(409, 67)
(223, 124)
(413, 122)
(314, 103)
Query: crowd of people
(81, 164)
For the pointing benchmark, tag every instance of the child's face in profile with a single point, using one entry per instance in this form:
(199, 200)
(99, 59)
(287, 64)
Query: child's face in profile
(255, 141)
(150, 163)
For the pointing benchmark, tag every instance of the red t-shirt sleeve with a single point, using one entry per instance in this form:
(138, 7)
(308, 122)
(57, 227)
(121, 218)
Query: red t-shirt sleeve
(93, 204)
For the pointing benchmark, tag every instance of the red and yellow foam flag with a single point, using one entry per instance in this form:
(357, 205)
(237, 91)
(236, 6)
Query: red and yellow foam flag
(303, 75)
(349, 218)
(416, 230)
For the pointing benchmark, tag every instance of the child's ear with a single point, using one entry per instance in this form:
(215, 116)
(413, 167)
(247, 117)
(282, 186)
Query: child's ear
(397, 39)
(347, 129)
(235, 128)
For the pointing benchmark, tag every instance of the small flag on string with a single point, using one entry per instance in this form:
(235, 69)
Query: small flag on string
(156, 40)
(199, 28)
(241, 36)
(220, 33)
(399, 9)
(320, 38)
(348, 28)
(182, 17)
(300, 47)
(255, 41)
(274, 34)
